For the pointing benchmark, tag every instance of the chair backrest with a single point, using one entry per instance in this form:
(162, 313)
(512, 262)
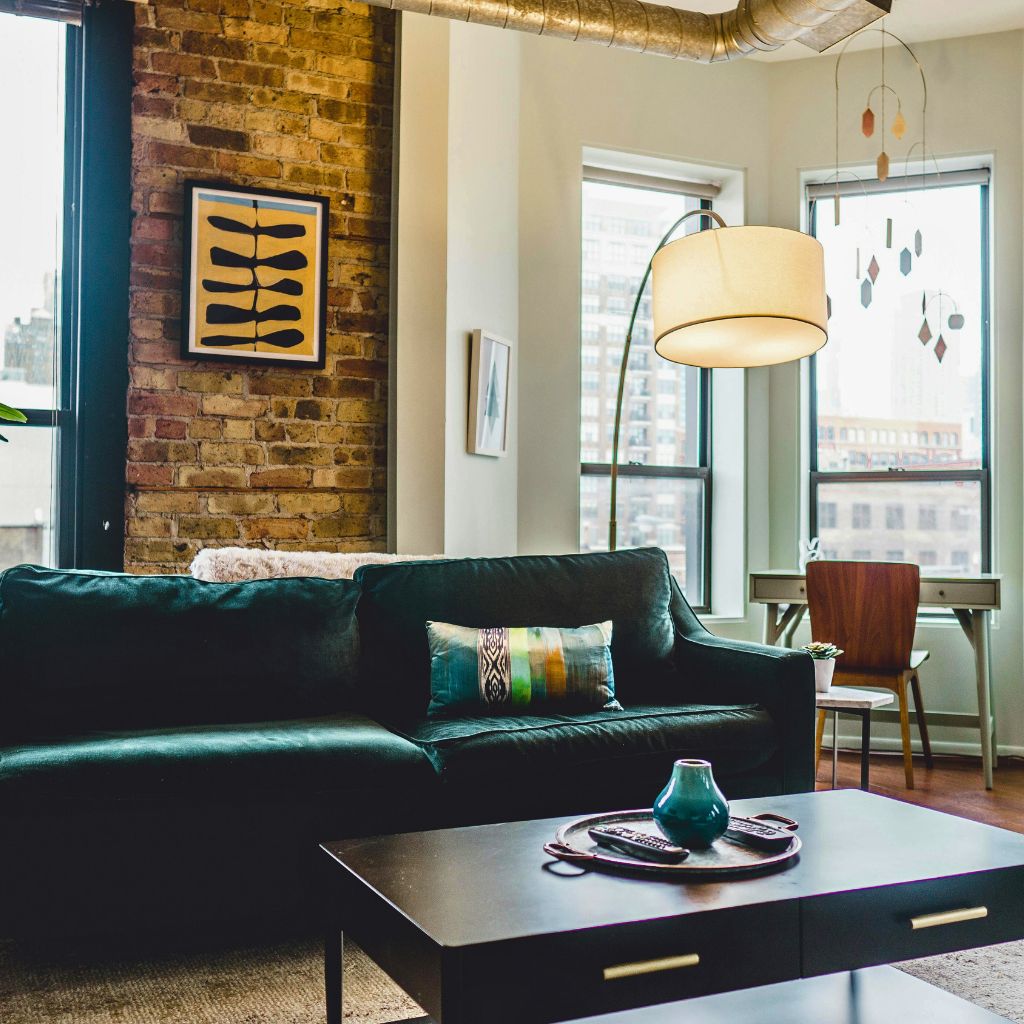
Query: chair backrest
(868, 608)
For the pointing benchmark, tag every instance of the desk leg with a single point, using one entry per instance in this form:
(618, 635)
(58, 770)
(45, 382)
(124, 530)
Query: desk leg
(983, 673)
(781, 627)
(865, 749)
(334, 952)
(835, 747)
(795, 615)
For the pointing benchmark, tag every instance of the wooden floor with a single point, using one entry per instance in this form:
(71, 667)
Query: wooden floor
(954, 785)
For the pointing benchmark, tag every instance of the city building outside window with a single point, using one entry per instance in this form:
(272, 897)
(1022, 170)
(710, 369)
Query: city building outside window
(894, 517)
(664, 481)
(861, 516)
(898, 421)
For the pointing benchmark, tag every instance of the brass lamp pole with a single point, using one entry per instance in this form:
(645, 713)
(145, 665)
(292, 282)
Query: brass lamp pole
(612, 524)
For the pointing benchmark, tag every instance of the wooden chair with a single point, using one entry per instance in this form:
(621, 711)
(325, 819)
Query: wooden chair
(869, 609)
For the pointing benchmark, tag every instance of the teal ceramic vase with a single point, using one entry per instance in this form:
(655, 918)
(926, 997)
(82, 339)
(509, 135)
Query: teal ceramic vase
(691, 810)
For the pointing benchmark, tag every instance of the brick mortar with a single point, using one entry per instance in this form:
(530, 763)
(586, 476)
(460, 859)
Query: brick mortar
(294, 96)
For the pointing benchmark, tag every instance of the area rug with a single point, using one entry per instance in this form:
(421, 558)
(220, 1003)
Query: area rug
(259, 984)
(283, 984)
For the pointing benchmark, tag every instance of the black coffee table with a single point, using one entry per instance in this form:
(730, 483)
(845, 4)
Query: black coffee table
(478, 924)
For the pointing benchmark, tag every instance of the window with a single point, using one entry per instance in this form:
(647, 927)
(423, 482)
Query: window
(861, 555)
(894, 517)
(664, 475)
(960, 519)
(886, 376)
(31, 210)
(894, 555)
(64, 225)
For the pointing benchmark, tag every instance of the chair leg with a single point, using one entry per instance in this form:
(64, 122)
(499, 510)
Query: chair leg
(819, 733)
(922, 724)
(908, 761)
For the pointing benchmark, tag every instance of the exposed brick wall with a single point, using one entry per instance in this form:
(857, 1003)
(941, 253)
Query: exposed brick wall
(285, 95)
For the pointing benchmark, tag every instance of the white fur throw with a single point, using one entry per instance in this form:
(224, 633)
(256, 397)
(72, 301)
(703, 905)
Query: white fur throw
(234, 565)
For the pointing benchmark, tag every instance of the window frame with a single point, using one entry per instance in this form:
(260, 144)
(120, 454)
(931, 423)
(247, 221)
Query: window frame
(981, 476)
(91, 346)
(702, 471)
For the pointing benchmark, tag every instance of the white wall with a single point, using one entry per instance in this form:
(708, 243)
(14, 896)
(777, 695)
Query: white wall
(419, 287)
(483, 277)
(456, 269)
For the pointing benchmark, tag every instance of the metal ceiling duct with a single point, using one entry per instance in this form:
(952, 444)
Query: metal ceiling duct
(655, 28)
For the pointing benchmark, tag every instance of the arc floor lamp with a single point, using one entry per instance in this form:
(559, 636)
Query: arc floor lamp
(729, 297)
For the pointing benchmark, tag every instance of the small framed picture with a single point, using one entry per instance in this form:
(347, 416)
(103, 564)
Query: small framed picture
(490, 372)
(255, 276)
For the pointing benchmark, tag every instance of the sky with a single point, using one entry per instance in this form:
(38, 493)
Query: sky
(31, 159)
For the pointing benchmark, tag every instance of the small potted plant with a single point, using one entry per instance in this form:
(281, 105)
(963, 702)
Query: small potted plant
(824, 655)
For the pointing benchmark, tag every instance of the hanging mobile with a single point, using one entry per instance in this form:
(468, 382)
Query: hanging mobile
(955, 322)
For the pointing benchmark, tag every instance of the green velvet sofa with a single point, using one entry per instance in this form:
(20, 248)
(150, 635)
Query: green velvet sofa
(171, 750)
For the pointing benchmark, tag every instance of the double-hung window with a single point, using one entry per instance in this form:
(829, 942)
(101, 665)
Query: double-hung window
(664, 491)
(900, 395)
(64, 251)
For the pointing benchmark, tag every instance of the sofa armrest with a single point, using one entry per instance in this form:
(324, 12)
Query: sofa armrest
(720, 671)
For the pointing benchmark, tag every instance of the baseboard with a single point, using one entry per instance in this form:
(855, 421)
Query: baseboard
(885, 744)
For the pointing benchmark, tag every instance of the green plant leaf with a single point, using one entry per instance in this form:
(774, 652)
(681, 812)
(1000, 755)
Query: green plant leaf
(11, 414)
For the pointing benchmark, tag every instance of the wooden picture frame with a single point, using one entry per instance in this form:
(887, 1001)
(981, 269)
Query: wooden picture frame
(250, 252)
(490, 375)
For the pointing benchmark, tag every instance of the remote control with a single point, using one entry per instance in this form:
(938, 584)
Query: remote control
(638, 844)
(758, 834)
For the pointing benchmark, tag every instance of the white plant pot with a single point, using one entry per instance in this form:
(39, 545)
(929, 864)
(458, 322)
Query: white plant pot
(823, 670)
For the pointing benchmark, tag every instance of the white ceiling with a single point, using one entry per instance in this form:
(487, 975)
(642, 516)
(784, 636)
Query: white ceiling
(912, 20)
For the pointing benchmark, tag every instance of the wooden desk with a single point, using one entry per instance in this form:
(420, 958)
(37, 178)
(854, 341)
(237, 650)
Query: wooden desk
(972, 600)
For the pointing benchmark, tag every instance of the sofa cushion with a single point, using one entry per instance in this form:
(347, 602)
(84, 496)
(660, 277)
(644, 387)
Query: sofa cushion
(88, 650)
(335, 754)
(488, 671)
(631, 588)
(505, 750)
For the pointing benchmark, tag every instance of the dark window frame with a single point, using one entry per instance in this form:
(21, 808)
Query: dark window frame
(980, 476)
(92, 342)
(702, 471)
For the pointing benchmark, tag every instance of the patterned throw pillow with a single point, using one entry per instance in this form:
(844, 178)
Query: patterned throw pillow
(512, 668)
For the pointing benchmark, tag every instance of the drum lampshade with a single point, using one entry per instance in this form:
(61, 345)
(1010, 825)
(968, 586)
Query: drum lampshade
(741, 296)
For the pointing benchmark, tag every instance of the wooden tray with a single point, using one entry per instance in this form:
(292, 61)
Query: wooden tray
(573, 844)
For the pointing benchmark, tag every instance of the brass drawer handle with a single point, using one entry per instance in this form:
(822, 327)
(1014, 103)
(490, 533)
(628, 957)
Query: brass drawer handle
(948, 917)
(665, 963)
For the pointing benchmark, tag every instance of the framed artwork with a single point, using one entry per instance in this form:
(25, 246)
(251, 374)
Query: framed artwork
(255, 277)
(490, 369)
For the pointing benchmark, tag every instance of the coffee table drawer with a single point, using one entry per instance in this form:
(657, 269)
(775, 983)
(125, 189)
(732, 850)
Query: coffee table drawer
(848, 930)
(563, 977)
